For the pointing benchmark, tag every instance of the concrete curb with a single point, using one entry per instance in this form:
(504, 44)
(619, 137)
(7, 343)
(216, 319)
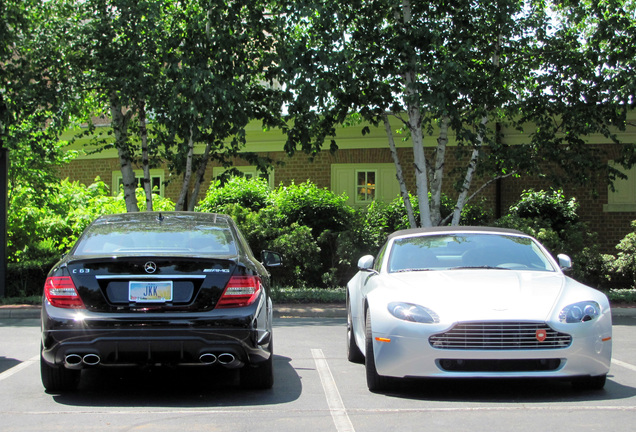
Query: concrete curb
(280, 311)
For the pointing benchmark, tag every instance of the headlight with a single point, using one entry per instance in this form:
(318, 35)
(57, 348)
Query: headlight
(412, 312)
(580, 312)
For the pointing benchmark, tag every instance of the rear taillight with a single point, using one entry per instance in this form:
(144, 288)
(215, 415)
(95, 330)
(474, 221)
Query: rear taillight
(240, 291)
(60, 292)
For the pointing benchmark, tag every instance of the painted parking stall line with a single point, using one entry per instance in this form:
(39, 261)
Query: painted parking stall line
(624, 365)
(334, 401)
(17, 368)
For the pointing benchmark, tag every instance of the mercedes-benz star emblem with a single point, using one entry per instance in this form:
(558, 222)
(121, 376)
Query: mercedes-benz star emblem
(150, 267)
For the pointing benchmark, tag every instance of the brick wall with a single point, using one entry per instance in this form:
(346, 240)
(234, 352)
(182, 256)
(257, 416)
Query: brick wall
(612, 227)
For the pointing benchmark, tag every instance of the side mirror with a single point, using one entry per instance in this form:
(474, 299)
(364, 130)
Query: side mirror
(565, 262)
(271, 259)
(365, 263)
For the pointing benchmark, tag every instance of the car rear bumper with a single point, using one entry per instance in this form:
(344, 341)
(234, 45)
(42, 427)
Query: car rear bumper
(231, 338)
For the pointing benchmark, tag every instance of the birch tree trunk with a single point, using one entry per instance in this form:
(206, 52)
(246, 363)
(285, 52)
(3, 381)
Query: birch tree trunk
(399, 174)
(438, 172)
(468, 178)
(187, 174)
(145, 160)
(120, 123)
(415, 127)
(200, 176)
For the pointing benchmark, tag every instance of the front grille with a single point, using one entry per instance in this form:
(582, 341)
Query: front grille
(500, 336)
(499, 365)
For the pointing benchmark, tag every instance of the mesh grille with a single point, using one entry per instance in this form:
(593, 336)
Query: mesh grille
(500, 336)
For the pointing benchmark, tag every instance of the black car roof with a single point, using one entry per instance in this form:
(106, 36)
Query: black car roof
(452, 229)
(212, 218)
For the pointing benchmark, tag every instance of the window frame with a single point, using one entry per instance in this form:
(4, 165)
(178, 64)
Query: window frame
(139, 175)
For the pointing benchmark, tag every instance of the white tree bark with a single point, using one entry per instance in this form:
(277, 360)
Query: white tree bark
(399, 174)
(187, 174)
(145, 159)
(120, 123)
(415, 127)
(438, 172)
(470, 172)
(200, 175)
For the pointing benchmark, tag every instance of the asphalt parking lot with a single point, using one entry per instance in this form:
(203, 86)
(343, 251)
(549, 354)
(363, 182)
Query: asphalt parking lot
(316, 389)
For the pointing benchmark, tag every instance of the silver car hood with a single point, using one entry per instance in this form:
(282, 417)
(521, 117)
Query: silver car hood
(473, 295)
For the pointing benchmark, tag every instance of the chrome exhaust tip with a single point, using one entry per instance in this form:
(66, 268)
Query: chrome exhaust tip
(91, 359)
(73, 361)
(226, 358)
(207, 358)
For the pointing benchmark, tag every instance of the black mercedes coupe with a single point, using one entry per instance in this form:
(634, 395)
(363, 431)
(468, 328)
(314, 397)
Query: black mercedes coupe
(158, 288)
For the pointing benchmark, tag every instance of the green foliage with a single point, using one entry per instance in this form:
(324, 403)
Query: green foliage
(301, 254)
(250, 194)
(45, 226)
(26, 278)
(304, 295)
(620, 296)
(317, 208)
(552, 207)
(621, 268)
(551, 218)
(303, 222)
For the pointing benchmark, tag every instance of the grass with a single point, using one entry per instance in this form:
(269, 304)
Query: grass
(618, 297)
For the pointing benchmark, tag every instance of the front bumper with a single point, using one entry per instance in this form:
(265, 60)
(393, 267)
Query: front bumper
(240, 336)
(405, 351)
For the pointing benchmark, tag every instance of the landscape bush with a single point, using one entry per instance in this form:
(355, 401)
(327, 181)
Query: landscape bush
(552, 218)
(302, 222)
(41, 228)
(319, 235)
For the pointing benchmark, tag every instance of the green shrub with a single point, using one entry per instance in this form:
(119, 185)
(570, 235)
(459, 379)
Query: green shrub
(553, 207)
(41, 228)
(622, 267)
(301, 256)
(26, 278)
(317, 208)
(552, 218)
(253, 194)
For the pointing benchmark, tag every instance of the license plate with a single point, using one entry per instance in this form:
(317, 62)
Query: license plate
(154, 291)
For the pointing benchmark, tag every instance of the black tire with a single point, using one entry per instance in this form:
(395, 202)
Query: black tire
(58, 378)
(354, 354)
(259, 376)
(590, 383)
(375, 381)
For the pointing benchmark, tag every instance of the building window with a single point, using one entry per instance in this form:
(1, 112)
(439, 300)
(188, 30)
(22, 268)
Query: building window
(623, 197)
(156, 180)
(365, 183)
(365, 186)
(248, 172)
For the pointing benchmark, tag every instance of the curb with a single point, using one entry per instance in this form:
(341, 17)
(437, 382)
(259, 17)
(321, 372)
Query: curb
(280, 311)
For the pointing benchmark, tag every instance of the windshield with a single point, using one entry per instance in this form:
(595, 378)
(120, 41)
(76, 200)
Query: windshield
(467, 251)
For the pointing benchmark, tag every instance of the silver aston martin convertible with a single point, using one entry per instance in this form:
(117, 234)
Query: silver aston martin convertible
(467, 302)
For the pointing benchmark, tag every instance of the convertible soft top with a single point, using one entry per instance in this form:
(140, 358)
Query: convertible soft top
(453, 229)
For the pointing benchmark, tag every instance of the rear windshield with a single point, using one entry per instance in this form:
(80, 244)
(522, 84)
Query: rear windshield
(467, 251)
(118, 239)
